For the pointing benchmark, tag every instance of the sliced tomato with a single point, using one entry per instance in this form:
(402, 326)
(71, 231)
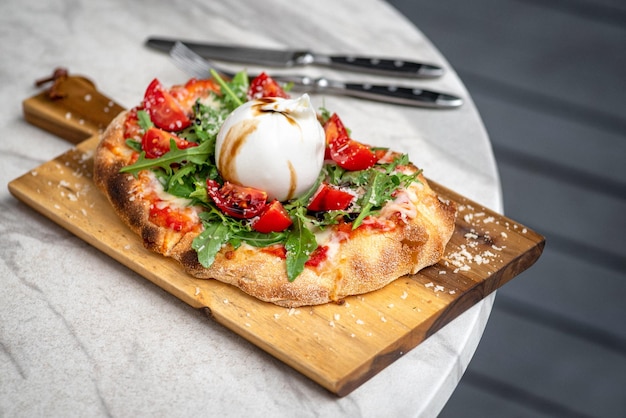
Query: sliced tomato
(187, 95)
(334, 129)
(329, 197)
(265, 86)
(352, 155)
(318, 256)
(156, 142)
(345, 151)
(237, 201)
(273, 219)
(164, 110)
(167, 217)
(132, 129)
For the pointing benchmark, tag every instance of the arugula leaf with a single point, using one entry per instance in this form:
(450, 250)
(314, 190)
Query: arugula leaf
(144, 121)
(372, 196)
(134, 145)
(234, 92)
(259, 239)
(300, 244)
(210, 241)
(195, 155)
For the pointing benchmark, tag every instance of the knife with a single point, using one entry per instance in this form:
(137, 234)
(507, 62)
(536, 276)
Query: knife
(292, 58)
(196, 66)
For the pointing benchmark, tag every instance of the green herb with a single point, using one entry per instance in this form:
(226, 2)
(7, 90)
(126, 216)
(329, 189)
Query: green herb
(300, 244)
(325, 114)
(195, 155)
(143, 119)
(134, 145)
(210, 242)
(234, 92)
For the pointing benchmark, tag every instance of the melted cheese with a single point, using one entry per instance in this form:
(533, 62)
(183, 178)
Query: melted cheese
(162, 199)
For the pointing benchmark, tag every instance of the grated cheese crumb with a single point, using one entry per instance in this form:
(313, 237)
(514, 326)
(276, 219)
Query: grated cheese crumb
(226, 301)
(430, 284)
(404, 295)
(360, 322)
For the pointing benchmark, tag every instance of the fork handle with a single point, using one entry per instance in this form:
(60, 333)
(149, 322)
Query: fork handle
(403, 95)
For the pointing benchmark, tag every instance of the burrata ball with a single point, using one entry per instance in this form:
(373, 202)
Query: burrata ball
(273, 144)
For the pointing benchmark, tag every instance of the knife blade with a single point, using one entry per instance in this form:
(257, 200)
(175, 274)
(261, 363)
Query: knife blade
(196, 66)
(292, 58)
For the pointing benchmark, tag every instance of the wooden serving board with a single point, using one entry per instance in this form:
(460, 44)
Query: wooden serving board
(339, 346)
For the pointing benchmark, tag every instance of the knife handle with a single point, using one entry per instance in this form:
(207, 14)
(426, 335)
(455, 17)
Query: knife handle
(403, 95)
(388, 67)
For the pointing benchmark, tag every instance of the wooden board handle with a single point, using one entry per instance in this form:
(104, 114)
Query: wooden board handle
(72, 108)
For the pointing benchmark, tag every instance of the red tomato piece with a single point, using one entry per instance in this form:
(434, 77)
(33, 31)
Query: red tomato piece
(329, 197)
(265, 86)
(237, 201)
(352, 155)
(334, 129)
(273, 219)
(172, 219)
(165, 112)
(187, 95)
(132, 129)
(346, 152)
(318, 256)
(156, 142)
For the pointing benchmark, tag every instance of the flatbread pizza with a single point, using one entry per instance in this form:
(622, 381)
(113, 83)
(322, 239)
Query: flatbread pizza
(241, 183)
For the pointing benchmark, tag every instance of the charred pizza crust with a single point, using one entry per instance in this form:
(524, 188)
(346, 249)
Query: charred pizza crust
(366, 260)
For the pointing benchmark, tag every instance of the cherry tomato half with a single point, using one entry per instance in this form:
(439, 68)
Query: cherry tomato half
(352, 155)
(273, 219)
(156, 142)
(265, 86)
(237, 201)
(165, 112)
(329, 197)
(334, 129)
(346, 152)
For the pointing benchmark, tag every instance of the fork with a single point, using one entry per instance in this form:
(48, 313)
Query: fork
(196, 66)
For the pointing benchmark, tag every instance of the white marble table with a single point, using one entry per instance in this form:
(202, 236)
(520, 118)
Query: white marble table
(81, 335)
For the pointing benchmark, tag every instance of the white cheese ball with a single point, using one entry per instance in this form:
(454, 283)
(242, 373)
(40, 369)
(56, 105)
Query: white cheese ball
(273, 144)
